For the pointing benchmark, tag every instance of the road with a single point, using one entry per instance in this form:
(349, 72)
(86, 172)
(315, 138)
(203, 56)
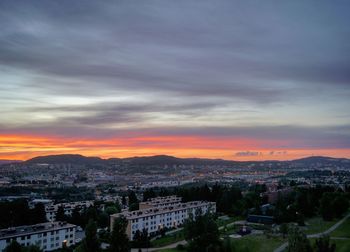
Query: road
(317, 235)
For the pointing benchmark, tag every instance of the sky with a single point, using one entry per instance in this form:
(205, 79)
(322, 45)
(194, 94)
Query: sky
(240, 80)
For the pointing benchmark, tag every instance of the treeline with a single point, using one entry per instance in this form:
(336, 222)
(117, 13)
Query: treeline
(99, 213)
(289, 207)
(18, 213)
(308, 202)
(229, 199)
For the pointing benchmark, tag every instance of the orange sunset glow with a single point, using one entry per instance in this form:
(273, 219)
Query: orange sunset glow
(24, 147)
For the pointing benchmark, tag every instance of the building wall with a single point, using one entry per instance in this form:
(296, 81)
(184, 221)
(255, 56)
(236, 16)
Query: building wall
(46, 240)
(169, 219)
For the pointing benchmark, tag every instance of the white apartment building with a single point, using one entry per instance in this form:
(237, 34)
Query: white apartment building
(153, 219)
(51, 209)
(48, 236)
(160, 202)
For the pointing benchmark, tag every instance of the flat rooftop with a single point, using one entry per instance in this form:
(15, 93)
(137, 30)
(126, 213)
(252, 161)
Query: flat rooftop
(33, 229)
(161, 210)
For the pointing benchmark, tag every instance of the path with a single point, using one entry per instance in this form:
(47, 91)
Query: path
(328, 231)
(174, 245)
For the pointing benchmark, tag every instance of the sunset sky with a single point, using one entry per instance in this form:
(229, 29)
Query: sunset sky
(240, 80)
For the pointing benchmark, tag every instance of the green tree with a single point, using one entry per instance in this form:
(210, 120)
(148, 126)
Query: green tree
(76, 217)
(39, 213)
(322, 244)
(123, 200)
(60, 215)
(132, 198)
(340, 205)
(284, 229)
(297, 241)
(32, 248)
(202, 233)
(111, 210)
(326, 207)
(141, 239)
(149, 193)
(13, 247)
(119, 241)
(90, 243)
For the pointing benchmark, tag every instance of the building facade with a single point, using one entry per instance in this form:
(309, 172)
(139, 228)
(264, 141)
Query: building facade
(51, 209)
(48, 236)
(167, 213)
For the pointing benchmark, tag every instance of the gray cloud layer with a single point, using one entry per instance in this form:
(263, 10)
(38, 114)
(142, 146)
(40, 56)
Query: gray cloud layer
(205, 63)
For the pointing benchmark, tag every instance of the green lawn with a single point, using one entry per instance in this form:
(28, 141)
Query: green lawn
(342, 245)
(170, 250)
(257, 243)
(343, 230)
(231, 219)
(317, 225)
(168, 239)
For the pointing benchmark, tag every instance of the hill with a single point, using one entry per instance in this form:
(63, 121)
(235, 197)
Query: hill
(170, 160)
(66, 159)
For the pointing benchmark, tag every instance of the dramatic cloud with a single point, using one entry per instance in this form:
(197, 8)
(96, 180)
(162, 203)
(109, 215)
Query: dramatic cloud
(268, 75)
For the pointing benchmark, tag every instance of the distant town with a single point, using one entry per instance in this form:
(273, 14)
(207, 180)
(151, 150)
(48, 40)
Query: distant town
(154, 200)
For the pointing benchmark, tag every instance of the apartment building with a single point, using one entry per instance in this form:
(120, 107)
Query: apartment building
(48, 236)
(167, 214)
(51, 209)
(160, 202)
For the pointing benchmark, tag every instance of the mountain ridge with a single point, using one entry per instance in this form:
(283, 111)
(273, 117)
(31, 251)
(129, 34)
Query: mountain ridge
(160, 159)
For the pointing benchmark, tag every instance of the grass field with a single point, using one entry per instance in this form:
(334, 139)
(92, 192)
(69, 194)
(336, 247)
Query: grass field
(343, 230)
(168, 239)
(221, 222)
(170, 250)
(317, 225)
(257, 243)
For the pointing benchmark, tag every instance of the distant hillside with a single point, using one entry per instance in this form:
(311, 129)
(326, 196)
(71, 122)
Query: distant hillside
(65, 159)
(320, 159)
(170, 160)
(7, 161)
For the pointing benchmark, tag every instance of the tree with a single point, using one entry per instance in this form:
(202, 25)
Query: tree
(39, 213)
(90, 243)
(202, 233)
(111, 210)
(149, 193)
(322, 244)
(340, 205)
(119, 241)
(141, 239)
(32, 248)
(76, 217)
(13, 247)
(123, 200)
(60, 215)
(297, 241)
(132, 197)
(326, 208)
(284, 229)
